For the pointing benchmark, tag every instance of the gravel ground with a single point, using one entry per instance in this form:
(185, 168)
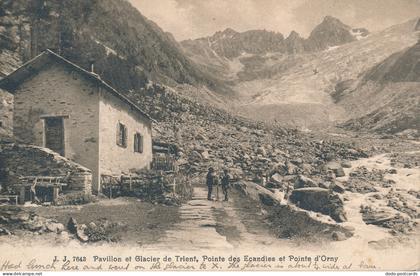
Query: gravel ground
(144, 222)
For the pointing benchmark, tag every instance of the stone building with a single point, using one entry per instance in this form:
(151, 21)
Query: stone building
(6, 115)
(60, 106)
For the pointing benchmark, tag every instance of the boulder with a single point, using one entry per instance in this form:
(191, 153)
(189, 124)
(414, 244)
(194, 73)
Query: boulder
(35, 225)
(378, 216)
(280, 153)
(20, 217)
(326, 184)
(195, 155)
(336, 168)
(313, 198)
(306, 168)
(243, 129)
(338, 236)
(246, 156)
(329, 156)
(304, 182)
(205, 154)
(346, 164)
(349, 228)
(4, 232)
(335, 208)
(3, 219)
(54, 227)
(339, 172)
(280, 196)
(320, 200)
(297, 161)
(272, 185)
(392, 171)
(291, 169)
(266, 199)
(92, 225)
(262, 151)
(276, 178)
(201, 137)
(236, 174)
(262, 159)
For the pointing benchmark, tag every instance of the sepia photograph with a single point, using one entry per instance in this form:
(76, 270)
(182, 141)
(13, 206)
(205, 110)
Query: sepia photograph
(209, 135)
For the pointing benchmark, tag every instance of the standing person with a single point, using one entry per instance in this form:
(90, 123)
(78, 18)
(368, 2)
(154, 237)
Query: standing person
(225, 183)
(217, 184)
(210, 182)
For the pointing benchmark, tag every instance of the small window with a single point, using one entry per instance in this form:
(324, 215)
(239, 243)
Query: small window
(121, 135)
(138, 143)
(1, 124)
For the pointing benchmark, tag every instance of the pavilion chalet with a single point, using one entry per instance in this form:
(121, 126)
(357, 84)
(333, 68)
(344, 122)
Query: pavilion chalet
(60, 106)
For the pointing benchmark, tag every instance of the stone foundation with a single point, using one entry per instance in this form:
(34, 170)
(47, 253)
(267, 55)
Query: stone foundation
(17, 160)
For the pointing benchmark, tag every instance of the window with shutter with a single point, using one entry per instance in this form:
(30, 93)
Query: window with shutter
(138, 143)
(121, 135)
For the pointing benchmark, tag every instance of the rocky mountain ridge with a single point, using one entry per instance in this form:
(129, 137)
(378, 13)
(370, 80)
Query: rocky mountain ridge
(231, 44)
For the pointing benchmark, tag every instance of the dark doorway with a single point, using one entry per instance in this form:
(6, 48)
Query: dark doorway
(54, 134)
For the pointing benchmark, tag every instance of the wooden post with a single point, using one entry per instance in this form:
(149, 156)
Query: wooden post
(22, 195)
(56, 190)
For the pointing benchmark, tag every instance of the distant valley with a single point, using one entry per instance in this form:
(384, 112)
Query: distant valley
(297, 82)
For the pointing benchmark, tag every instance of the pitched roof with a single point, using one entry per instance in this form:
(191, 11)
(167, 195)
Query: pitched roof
(11, 81)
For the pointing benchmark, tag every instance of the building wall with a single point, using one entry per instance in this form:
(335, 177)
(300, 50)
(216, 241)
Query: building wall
(114, 159)
(59, 90)
(6, 115)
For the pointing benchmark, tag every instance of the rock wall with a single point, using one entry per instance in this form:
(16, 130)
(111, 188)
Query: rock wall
(6, 115)
(289, 220)
(26, 160)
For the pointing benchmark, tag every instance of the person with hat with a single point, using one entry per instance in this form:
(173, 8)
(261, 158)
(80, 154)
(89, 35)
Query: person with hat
(210, 182)
(225, 183)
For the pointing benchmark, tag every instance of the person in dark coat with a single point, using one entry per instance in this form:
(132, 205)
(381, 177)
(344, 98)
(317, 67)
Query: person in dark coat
(217, 184)
(225, 183)
(210, 181)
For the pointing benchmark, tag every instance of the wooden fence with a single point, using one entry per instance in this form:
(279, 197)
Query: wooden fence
(164, 163)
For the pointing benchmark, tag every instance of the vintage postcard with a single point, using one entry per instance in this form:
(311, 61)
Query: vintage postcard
(209, 135)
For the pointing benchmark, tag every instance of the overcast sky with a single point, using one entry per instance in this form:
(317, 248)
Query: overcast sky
(196, 18)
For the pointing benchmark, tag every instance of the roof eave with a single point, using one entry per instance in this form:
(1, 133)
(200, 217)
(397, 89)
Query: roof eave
(8, 83)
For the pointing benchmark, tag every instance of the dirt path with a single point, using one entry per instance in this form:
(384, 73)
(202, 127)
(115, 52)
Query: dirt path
(217, 225)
